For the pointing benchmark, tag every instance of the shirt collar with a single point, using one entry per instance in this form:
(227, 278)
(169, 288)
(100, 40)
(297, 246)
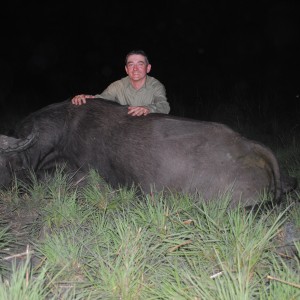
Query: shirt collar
(128, 84)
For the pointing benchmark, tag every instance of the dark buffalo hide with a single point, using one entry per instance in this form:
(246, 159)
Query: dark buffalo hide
(155, 152)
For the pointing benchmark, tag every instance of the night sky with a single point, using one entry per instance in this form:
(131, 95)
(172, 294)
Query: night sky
(211, 55)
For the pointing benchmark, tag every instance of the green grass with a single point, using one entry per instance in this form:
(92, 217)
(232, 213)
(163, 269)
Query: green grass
(23, 284)
(99, 243)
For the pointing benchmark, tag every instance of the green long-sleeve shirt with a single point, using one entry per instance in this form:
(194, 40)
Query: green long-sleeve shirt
(152, 94)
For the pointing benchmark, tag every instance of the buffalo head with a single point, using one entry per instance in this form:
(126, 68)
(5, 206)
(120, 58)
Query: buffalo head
(13, 156)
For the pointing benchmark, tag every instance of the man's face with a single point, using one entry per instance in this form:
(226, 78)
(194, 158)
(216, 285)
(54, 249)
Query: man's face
(137, 67)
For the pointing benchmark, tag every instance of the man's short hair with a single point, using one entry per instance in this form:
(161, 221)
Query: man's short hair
(140, 52)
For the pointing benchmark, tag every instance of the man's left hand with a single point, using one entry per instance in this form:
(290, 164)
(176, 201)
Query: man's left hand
(138, 111)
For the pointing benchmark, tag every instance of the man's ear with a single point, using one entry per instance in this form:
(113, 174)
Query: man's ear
(148, 68)
(126, 70)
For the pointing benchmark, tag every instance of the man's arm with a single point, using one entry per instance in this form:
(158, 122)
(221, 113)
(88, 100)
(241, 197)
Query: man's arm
(160, 103)
(110, 93)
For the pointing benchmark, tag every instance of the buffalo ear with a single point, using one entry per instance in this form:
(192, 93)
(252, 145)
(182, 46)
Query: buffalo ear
(10, 144)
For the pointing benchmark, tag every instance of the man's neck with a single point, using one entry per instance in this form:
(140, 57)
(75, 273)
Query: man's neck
(137, 84)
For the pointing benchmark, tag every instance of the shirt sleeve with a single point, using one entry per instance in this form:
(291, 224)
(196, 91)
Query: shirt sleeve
(110, 93)
(160, 103)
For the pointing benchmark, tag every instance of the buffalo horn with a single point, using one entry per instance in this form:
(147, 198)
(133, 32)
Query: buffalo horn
(11, 144)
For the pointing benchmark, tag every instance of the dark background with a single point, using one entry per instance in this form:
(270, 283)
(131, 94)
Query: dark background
(230, 61)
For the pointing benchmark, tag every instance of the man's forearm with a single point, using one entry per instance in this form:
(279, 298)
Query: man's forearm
(160, 106)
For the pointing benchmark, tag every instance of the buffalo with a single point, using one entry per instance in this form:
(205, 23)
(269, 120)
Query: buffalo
(156, 152)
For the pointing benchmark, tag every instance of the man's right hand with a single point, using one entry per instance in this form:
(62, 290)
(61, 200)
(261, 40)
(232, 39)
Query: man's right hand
(80, 99)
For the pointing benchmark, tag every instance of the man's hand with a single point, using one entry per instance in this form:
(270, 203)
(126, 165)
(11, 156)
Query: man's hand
(80, 99)
(138, 111)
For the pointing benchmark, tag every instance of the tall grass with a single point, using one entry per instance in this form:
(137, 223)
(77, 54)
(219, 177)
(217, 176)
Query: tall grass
(23, 284)
(98, 243)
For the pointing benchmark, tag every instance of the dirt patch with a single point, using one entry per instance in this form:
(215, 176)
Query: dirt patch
(20, 221)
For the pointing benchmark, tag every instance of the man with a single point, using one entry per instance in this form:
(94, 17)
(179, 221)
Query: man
(144, 94)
